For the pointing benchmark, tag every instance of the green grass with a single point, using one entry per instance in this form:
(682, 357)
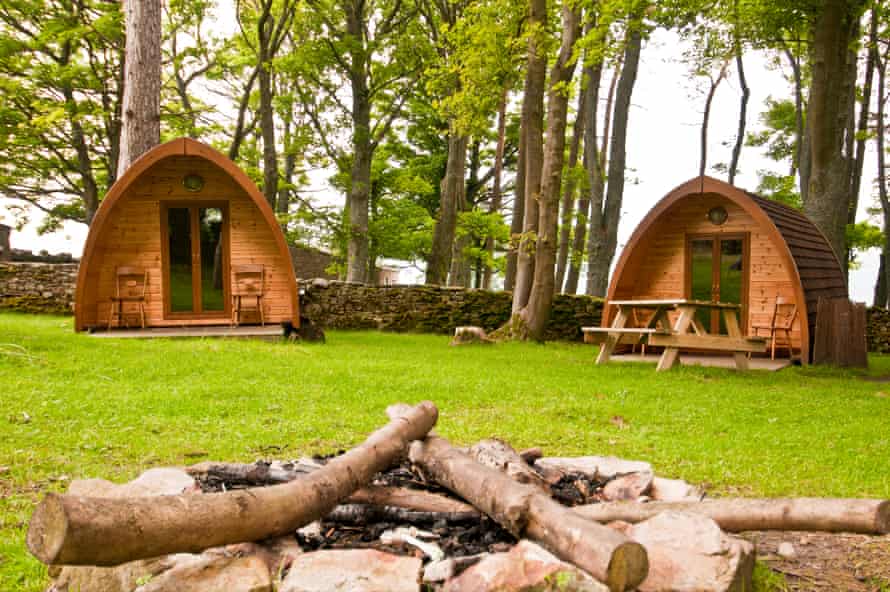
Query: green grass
(112, 408)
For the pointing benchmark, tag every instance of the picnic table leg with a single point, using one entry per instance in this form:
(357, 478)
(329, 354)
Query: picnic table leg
(612, 338)
(732, 327)
(669, 357)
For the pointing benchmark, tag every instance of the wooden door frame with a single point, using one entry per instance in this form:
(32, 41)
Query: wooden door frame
(717, 237)
(195, 235)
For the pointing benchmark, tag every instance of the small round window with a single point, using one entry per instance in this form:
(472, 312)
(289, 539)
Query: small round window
(193, 182)
(717, 215)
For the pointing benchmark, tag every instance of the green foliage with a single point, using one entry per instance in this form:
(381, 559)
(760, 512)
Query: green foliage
(781, 188)
(59, 103)
(863, 236)
(780, 122)
(480, 226)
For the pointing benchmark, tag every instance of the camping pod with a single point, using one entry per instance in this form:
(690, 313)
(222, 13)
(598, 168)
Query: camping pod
(188, 219)
(708, 240)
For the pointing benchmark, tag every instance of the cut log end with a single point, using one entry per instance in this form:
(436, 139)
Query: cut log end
(628, 567)
(882, 518)
(47, 530)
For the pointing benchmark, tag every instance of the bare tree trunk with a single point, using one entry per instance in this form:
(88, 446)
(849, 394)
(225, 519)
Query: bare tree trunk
(452, 198)
(737, 515)
(800, 162)
(265, 26)
(518, 219)
(591, 159)
(141, 129)
(715, 82)
(541, 298)
(496, 199)
(882, 286)
(359, 199)
(604, 224)
(743, 114)
(828, 199)
(459, 276)
(568, 192)
(76, 530)
(532, 126)
(862, 125)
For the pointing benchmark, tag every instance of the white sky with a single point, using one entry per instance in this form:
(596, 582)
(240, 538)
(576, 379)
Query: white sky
(662, 148)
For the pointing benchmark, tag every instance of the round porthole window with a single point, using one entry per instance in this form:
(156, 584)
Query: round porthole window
(193, 182)
(717, 215)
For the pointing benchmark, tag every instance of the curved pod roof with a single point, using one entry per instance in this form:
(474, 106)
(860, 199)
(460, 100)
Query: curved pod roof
(804, 250)
(118, 191)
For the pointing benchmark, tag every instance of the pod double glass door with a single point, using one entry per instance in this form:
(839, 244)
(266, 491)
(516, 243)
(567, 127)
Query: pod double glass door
(196, 259)
(718, 271)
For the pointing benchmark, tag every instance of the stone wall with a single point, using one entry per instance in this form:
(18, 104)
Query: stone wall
(38, 287)
(432, 309)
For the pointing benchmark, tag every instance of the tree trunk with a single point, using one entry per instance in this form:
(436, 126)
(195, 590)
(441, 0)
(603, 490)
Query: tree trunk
(828, 199)
(518, 218)
(267, 110)
(532, 127)
(743, 114)
(591, 159)
(703, 162)
(568, 192)
(452, 197)
(76, 530)
(141, 129)
(604, 222)
(496, 199)
(538, 309)
(864, 516)
(862, 128)
(526, 512)
(882, 286)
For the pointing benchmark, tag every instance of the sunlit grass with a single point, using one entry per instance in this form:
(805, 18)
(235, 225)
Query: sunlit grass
(72, 406)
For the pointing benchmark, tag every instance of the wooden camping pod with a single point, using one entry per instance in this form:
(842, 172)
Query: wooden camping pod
(783, 254)
(136, 225)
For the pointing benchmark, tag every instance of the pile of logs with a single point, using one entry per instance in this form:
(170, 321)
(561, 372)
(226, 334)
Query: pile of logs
(489, 481)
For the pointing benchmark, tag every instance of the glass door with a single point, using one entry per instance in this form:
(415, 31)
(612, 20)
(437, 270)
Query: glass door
(196, 259)
(718, 268)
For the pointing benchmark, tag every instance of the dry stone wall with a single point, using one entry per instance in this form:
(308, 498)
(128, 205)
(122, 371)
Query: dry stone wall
(432, 309)
(38, 287)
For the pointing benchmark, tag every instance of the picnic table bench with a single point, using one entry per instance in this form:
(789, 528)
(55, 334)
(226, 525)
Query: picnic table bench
(660, 332)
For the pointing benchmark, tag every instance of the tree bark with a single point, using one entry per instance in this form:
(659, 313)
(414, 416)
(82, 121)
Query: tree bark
(706, 117)
(743, 114)
(568, 192)
(862, 124)
(828, 199)
(496, 198)
(882, 285)
(592, 162)
(452, 196)
(517, 220)
(532, 127)
(526, 512)
(604, 222)
(76, 530)
(541, 298)
(265, 27)
(141, 128)
(864, 516)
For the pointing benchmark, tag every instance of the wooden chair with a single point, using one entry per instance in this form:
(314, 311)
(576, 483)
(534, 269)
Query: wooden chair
(130, 284)
(782, 320)
(248, 284)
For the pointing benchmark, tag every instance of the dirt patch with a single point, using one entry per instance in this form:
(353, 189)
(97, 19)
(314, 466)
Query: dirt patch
(822, 561)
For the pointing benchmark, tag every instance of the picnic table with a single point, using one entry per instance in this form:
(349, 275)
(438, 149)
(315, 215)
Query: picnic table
(687, 332)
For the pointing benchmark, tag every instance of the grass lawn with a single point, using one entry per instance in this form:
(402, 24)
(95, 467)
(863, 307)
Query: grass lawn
(112, 408)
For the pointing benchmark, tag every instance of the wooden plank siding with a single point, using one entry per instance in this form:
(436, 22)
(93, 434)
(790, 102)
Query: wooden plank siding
(661, 272)
(130, 235)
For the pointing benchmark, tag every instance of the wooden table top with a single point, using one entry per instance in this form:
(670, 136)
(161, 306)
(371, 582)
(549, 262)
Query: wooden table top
(674, 303)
